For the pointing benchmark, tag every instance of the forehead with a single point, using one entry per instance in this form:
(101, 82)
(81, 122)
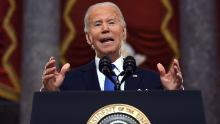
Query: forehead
(102, 12)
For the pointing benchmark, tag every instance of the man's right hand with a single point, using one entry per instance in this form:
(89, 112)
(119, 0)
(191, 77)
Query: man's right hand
(52, 79)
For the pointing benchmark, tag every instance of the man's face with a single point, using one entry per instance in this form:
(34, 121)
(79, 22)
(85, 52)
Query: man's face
(105, 31)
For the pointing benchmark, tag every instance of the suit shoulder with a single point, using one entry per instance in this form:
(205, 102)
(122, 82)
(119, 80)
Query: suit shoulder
(74, 76)
(151, 79)
(82, 68)
(148, 72)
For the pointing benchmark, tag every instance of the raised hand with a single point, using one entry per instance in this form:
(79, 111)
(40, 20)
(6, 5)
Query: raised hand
(51, 78)
(172, 80)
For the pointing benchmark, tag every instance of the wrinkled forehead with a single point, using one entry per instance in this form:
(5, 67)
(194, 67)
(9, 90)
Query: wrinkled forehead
(98, 12)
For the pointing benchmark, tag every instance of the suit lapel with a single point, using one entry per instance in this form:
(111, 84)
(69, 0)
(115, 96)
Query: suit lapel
(90, 77)
(132, 83)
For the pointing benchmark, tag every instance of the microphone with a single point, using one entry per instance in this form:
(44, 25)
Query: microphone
(106, 68)
(129, 67)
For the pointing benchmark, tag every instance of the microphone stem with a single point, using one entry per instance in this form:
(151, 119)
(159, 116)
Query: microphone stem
(118, 84)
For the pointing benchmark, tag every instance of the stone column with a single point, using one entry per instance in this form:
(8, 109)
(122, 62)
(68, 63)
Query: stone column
(40, 41)
(200, 55)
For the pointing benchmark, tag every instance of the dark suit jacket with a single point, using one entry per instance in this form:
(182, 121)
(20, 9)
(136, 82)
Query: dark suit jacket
(85, 78)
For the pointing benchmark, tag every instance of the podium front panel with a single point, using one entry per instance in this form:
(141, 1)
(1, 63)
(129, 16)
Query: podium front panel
(160, 107)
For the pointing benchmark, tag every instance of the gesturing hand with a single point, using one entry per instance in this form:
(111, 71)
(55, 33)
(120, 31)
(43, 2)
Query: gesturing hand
(172, 80)
(51, 78)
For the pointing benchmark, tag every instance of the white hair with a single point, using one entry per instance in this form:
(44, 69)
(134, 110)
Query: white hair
(86, 23)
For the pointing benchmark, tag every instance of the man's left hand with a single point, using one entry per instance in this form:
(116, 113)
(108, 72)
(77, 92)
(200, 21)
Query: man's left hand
(172, 80)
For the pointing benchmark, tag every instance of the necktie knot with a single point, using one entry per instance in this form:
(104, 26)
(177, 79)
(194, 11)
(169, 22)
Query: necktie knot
(113, 67)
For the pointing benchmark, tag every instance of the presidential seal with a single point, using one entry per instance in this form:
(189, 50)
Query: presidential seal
(118, 114)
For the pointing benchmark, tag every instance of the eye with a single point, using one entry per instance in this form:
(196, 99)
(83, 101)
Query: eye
(97, 24)
(111, 22)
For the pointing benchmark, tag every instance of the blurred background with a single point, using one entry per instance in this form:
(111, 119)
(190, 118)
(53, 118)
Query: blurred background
(158, 30)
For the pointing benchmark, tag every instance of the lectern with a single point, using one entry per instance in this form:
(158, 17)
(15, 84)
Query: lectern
(140, 107)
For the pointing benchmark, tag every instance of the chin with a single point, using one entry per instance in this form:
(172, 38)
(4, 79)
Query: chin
(109, 50)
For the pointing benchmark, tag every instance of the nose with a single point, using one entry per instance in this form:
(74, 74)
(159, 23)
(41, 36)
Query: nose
(105, 28)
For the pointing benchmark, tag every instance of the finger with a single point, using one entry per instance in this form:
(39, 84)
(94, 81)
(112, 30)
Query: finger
(179, 86)
(179, 79)
(182, 87)
(176, 69)
(176, 62)
(50, 63)
(161, 69)
(45, 78)
(65, 68)
(172, 71)
(179, 76)
(52, 58)
(50, 71)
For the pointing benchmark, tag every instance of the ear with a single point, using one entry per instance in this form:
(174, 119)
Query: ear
(124, 34)
(88, 39)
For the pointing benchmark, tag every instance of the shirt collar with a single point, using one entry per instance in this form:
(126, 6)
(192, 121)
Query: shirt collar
(118, 63)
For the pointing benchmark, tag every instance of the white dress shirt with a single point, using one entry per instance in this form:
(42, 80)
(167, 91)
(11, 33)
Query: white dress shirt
(101, 77)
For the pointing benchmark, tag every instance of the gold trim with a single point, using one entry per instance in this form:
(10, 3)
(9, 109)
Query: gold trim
(68, 39)
(118, 108)
(5, 92)
(9, 93)
(165, 29)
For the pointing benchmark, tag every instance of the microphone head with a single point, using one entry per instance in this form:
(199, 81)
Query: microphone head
(129, 64)
(105, 66)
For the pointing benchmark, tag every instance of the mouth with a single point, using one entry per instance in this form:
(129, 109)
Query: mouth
(106, 39)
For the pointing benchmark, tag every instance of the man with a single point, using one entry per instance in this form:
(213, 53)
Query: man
(105, 31)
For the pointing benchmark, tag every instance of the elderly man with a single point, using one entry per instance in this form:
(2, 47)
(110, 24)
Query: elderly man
(105, 31)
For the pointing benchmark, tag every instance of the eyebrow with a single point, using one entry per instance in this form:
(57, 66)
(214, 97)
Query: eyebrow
(111, 19)
(108, 19)
(95, 21)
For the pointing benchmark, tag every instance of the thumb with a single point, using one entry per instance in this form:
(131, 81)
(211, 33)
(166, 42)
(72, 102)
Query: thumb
(65, 68)
(161, 69)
